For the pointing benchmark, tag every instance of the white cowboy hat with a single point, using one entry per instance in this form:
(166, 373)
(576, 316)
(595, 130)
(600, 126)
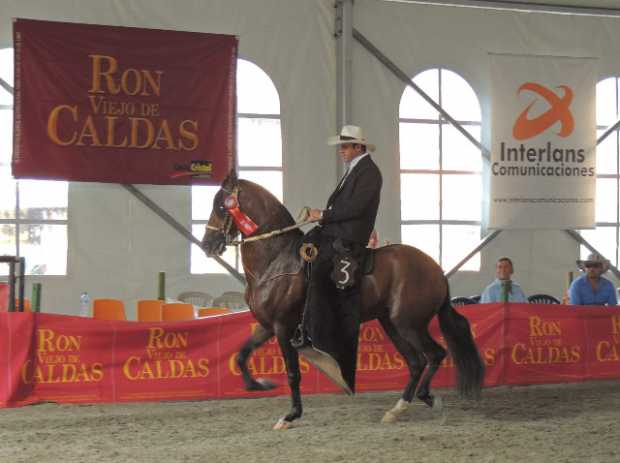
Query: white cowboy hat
(350, 134)
(593, 259)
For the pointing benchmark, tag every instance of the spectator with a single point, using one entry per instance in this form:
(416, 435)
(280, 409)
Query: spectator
(591, 288)
(494, 292)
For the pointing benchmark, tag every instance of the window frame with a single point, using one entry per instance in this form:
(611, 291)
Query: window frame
(441, 122)
(18, 222)
(583, 251)
(246, 168)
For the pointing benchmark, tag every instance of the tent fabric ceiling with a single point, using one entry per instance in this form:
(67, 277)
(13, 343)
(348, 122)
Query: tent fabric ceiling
(585, 6)
(611, 4)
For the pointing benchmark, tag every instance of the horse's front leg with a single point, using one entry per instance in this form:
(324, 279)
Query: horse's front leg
(291, 359)
(258, 338)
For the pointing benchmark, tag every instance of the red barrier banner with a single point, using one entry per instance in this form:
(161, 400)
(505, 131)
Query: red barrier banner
(4, 296)
(64, 359)
(603, 343)
(545, 345)
(267, 361)
(486, 322)
(123, 105)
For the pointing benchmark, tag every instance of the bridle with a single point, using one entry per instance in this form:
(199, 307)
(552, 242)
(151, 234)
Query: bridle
(233, 213)
(232, 200)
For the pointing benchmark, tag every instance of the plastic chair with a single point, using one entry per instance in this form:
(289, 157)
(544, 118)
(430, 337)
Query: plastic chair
(197, 298)
(208, 311)
(108, 309)
(150, 310)
(233, 300)
(178, 311)
(542, 299)
(461, 300)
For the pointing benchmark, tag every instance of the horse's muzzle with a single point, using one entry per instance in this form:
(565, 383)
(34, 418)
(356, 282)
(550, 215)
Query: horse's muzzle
(214, 243)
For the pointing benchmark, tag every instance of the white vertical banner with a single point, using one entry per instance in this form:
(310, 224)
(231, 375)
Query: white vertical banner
(543, 160)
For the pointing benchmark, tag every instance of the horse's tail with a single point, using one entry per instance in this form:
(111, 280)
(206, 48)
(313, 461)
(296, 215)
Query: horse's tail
(457, 333)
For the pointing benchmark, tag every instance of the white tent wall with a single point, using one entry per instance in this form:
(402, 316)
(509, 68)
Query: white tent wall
(418, 37)
(116, 245)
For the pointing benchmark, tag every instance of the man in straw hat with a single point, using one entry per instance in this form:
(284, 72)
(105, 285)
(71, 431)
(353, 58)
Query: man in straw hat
(591, 288)
(329, 332)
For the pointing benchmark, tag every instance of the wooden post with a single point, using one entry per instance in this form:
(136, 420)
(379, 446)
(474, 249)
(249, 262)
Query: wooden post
(161, 286)
(36, 297)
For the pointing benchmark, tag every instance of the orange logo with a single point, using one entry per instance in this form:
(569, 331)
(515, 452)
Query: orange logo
(559, 111)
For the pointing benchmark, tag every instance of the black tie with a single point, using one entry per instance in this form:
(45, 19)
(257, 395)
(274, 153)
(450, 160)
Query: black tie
(344, 177)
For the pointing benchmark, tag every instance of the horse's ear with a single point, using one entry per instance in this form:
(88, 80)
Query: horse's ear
(231, 180)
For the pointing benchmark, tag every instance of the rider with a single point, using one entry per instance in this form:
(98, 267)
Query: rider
(331, 314)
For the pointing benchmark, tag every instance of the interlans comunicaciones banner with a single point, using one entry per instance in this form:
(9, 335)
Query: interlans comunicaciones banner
(543, 155)
(123, 105)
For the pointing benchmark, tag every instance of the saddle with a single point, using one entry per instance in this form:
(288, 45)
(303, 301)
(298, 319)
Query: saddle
(365, 261)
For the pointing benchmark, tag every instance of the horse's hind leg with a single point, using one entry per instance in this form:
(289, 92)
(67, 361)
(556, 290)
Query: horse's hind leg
(416, 362)
(435, 355)
(258, 338)
(291, 359)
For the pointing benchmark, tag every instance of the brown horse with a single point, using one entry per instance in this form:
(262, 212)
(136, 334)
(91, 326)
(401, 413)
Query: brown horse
(404, 292)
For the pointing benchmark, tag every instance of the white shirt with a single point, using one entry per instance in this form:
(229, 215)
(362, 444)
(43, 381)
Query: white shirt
(354, 161)
(352, 165)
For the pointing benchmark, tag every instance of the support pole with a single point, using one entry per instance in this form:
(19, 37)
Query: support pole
(580, 239)
(36, 297)
(161, 286)
(6, 86)
(343, 32)
(344, 61)
(22, 281)
(402, 76)
(148, 202)
(486, 240)
(11, 307)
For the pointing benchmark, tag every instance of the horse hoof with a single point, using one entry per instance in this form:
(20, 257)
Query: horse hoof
(389, 417)
(261, 384)
(437, 404)
(429, 400)
(392, 415)
(282, 424)
(266, 384)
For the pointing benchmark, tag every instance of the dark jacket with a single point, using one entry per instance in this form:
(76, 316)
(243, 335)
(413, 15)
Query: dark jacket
(351, 210)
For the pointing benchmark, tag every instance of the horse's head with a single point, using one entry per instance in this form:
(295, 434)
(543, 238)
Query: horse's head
(221, 229)
(252, 200)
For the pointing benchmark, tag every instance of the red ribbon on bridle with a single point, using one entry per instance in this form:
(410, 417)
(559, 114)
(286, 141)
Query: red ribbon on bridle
(242, 221)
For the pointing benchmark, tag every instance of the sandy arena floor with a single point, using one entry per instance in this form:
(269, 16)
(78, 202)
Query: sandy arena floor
(567, 423)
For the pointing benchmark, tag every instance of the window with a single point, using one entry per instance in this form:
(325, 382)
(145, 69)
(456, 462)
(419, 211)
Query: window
(440, 170)
(605, 236)
(33, 213)
(259, 155)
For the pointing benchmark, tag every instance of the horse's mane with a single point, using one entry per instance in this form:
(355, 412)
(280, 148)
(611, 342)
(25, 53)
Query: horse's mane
(284, 247)
(279, 216)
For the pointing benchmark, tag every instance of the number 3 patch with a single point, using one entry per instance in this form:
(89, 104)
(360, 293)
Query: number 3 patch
(344, 272)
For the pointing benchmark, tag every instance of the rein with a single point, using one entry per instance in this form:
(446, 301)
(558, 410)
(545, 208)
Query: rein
(302, 219)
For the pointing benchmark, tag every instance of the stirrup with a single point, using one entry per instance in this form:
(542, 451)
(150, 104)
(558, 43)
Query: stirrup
(300, 338)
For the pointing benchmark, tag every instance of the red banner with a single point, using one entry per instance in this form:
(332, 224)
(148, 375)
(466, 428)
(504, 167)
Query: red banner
(123, 105)
(66, 359)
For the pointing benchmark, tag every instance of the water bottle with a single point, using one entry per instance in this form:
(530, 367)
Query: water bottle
(84, 304)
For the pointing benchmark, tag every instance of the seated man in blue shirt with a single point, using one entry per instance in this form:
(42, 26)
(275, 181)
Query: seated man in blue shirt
(495, 291)
(591, 288)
